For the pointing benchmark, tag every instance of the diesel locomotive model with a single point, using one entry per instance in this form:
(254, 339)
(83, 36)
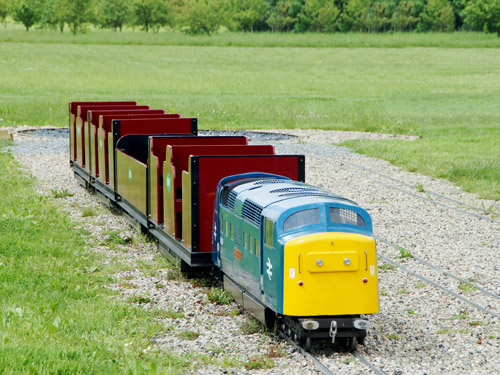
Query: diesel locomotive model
(295, 256)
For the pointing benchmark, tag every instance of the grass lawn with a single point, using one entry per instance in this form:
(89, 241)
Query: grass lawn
(446, 93)
(56, 316)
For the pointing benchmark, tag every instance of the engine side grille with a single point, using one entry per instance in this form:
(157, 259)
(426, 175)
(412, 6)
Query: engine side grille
(237, 235)
(230, 200)
(251, 212)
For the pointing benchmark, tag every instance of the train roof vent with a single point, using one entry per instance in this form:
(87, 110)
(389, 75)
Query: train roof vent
(295, 190)
(251, 212)
(309, 194)
(230, 200)
(268, 181)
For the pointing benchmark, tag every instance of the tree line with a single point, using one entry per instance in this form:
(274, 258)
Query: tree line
(209, 16)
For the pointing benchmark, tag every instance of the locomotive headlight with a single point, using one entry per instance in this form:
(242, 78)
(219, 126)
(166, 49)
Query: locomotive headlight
(310, 325)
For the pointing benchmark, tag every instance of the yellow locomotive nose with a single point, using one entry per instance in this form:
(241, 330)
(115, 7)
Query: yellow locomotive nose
(330, 274)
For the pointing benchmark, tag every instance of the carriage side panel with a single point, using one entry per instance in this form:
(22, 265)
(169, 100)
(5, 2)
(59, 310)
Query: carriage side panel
(204, 174)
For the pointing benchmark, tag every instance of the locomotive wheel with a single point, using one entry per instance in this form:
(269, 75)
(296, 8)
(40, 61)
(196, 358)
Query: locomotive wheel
(348, 343)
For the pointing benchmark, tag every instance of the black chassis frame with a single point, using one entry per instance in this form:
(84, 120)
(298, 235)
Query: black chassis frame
(167, 244)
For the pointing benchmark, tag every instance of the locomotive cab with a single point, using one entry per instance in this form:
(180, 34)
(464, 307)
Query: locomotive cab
(329, 259)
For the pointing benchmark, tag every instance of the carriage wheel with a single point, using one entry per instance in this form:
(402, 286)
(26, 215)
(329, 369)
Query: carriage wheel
(308, 344)
(348, 343)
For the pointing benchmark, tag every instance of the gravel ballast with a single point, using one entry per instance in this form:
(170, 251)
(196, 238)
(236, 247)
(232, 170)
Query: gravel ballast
(420, 329)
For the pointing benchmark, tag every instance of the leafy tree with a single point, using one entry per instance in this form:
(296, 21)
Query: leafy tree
(377, 19)
(4, 11)
(28, 12)
(55, 14)
(458, 9)
(483, 15)
(250, 14)
(355, 14)
(79, 13)
(318, 15)
(151, 14)
(437, 16)
(114, 14)
(280, 17)
(403, 19)
(203, 16)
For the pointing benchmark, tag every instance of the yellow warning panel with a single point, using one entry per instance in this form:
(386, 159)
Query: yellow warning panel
(330, 274)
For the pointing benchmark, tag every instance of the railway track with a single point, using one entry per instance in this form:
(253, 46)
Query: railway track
(439, 270)
(323, 368)
(453, 204)
(440, 286)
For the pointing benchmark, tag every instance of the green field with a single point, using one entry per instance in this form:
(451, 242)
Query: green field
(57, 315)
(444, 88)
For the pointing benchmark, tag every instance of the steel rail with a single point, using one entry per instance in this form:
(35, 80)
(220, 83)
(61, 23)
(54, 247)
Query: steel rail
(460, 203)
(321, 367)
(369, 364)
(436, 284)
(444, 272)
(423, 198)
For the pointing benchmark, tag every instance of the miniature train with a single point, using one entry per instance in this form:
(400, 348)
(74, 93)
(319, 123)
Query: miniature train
(295, 256)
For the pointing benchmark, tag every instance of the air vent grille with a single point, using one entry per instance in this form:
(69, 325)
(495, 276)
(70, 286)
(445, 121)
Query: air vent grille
(306, 194)
(237, 235)
(270, 181)
(251, 212)
(294, 190)
(230, 200)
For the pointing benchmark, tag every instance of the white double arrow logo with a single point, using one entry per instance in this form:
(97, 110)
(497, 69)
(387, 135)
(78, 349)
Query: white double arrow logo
(269, 268)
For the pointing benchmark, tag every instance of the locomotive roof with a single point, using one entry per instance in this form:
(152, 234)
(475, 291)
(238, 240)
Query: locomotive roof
(264, 192)
(257, 197)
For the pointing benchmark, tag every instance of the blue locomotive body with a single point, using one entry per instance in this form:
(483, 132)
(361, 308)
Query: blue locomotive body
(290, 249)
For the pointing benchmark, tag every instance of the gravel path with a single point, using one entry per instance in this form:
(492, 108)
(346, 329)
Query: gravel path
(420, 329)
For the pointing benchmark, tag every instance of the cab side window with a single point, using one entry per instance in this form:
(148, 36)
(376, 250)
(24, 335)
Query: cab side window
(268, 232)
